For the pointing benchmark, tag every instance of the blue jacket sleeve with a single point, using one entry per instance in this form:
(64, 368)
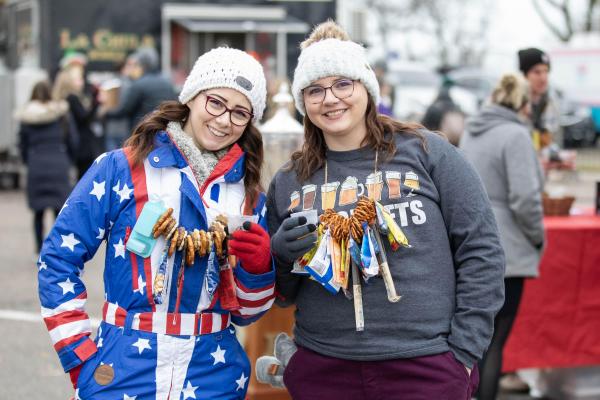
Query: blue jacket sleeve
(81, 226)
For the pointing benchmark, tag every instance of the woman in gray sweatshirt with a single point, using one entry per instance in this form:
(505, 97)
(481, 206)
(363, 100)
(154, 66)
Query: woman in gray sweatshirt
(498, 143)
(450, 280)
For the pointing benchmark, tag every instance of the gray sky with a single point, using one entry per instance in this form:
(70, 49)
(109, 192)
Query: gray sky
(515, 25)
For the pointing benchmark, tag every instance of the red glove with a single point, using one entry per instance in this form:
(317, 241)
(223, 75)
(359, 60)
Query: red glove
(252, 246)
(74, 375)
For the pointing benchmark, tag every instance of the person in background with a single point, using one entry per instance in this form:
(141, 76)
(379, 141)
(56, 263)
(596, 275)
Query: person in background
(148, 89)
(545, 107)
(70, 86)
(385, 105)
(116, 130)
(498, 143)
(444, 114)
(166, 329)
(426, 345)
(45, 142)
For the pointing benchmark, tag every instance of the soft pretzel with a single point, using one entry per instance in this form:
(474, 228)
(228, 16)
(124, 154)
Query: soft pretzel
(173, 244)
(189, 250)
(171, 229)
(162, 219)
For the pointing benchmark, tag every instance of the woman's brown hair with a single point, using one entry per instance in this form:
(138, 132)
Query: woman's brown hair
(41, 92)
(380, 131)
(141, 142)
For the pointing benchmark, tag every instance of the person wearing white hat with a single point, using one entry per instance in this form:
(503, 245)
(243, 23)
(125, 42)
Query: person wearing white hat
(174, 282)
(444, 285)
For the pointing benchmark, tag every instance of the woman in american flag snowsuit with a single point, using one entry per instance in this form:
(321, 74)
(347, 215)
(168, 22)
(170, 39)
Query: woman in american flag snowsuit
(200, 156)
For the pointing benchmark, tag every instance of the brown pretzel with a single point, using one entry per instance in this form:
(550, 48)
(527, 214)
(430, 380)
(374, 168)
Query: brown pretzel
(171, 229)
(160, 229)
(173, 244)
(218, 240)
(189, 250)
(196, 240)
(180, 238)
(162, 219)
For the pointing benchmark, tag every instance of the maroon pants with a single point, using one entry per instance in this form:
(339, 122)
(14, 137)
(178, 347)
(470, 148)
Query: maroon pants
(312, 376)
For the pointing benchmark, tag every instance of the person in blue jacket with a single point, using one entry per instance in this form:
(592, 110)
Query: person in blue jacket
(169, 338)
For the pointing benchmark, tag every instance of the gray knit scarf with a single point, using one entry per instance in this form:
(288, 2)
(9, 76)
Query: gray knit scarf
(202, 162)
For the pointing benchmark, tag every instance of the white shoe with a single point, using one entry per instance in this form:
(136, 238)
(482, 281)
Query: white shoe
(513, 383)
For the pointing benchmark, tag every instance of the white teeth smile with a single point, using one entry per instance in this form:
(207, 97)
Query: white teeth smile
(334, 113)
(216, 132)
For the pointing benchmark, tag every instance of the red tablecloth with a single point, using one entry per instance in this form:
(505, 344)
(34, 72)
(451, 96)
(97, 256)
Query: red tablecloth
(558, 324)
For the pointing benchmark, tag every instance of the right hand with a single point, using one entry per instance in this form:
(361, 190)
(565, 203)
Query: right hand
(293, 239)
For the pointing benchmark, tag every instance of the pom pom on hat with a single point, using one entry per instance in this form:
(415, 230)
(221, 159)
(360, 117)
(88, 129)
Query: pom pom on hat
(225, 67)
(333, 57)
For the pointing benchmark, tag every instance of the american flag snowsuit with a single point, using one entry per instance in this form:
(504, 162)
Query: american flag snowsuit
(174, 350)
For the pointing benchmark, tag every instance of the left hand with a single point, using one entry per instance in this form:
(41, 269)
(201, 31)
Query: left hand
(252, 246)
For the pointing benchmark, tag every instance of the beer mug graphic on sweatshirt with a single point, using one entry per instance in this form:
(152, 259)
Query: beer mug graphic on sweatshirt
(294, 200)
(374, 185)
(328, 195)
(308, 196)
(411, 180)
(351, 190)
(393, 180)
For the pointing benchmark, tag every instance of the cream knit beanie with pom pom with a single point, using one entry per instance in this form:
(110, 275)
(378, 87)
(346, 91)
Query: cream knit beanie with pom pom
(224, 67)
(333, 57)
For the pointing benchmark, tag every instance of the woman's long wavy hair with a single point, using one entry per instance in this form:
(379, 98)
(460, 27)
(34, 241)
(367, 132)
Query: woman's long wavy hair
(380, 137)
(141, 142)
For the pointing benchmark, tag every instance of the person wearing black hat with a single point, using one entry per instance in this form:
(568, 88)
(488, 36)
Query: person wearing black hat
(544, 116)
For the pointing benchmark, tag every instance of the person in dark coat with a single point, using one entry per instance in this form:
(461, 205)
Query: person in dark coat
(44, 144)
(83, 106)
(147, 91)
(444, 114)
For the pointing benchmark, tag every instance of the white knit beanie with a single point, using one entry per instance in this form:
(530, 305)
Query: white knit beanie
(333, 57)
(224, 67)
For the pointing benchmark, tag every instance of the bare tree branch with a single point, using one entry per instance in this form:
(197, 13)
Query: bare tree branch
(565, 37)
(588, 26)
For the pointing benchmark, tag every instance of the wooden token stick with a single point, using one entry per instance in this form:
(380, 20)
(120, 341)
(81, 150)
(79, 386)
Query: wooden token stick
(358, 303)
(393, 297)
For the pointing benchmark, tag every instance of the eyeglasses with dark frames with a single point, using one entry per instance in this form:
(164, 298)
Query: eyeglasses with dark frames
(342, 89)
(216, 108)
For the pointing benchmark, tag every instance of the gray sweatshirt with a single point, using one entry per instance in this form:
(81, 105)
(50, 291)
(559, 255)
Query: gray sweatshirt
(451, 280)
(499, 146)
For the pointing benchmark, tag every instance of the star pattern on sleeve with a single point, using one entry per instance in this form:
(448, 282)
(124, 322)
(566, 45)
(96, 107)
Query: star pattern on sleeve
(125, 397)
(218, 355)
(142, 344)
(100, 234)
(119, 249)
(189, 392)
(141, 284)
(67, 286)
(124, 193)
(241, 382)
(99, 189)
(42, 265)
(69, 241)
